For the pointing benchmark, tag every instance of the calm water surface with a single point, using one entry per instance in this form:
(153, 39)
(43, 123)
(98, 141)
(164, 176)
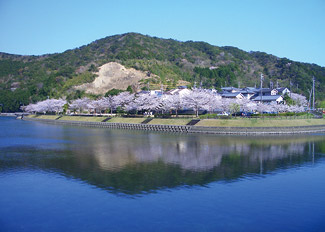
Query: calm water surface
(62, 178)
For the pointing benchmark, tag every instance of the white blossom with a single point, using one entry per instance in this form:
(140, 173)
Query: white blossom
(79, 104)
(197, 100)
(146, 102)
(49, 105)
(172, 102)
(299, 100)
(123, 100)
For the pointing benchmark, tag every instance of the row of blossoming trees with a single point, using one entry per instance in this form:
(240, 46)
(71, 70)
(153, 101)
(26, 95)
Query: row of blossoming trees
(196, 100)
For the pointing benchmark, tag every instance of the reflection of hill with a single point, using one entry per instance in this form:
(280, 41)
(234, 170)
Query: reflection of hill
(190, 153)
(138, 163)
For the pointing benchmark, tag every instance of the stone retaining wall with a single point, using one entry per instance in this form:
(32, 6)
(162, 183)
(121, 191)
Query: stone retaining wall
(190, 129)
(258, 130)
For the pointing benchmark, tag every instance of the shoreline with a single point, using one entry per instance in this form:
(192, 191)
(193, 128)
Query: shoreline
(9, 114)
(189, 129)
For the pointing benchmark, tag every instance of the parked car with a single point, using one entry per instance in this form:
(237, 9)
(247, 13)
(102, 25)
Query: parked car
(223, 114)
(247, 114)
(238, 113)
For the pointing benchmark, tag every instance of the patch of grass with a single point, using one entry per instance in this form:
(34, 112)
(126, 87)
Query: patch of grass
(260, 122)
(47, 116)
(235, 122)
(170, 121)
(31, 116)
(82, 118)
(126, 120)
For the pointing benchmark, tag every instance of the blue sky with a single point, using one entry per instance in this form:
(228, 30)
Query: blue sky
(286, 28)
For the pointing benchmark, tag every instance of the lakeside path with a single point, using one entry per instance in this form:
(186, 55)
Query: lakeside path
(205, 126)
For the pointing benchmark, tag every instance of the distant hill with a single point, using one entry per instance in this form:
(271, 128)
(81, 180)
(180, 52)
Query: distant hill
(25, 79)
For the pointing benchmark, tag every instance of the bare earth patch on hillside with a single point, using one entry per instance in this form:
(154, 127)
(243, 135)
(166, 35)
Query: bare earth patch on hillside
(113, 76)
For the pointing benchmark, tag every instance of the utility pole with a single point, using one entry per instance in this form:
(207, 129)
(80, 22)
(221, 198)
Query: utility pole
(313, 93)
(277, 84)
(261, 85)
(309, 102)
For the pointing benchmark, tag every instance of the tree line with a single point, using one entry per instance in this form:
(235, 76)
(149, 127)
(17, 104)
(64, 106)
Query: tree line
(196, 100)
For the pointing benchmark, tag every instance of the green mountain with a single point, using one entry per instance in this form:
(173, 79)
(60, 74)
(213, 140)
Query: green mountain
(25, 79)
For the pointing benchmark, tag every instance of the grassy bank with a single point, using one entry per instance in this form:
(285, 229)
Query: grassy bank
(236, 122)
(53, 117)
(244, 122)
(170, 121)
(126, 120)
(81, 118)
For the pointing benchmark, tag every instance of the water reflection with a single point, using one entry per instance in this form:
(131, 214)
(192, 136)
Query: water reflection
(131, 162)
(194, 153)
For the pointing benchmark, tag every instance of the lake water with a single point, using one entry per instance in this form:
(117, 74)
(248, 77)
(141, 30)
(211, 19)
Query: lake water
(64, 178)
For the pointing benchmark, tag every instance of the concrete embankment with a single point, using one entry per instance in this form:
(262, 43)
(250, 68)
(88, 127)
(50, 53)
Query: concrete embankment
(10, 114)
(190, 129)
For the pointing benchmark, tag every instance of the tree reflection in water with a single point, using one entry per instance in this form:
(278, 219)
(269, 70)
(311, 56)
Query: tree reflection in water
(130, 162)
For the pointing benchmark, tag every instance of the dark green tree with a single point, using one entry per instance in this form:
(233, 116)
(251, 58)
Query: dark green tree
(113, 92)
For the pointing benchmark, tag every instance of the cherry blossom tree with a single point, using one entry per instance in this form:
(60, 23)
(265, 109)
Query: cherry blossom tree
(31, 108)
(261, 107)
(49, 105)
(123, 100)
(57, 105)
(132, 105)
(147, 102)
(172, 102)
(226, 103)
(110, 102)
(97, 105)
(282, 107)
(234, 107)
(213, 102)
(79, 104)
(197, 100)
(44, 106)
(298, 99)
(247, 105)
(296, 109)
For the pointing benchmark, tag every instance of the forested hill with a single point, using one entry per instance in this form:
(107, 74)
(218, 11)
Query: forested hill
(25, 79)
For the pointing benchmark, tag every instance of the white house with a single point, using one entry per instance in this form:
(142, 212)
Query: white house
(247, 93)
(283, 90)
(180, 92)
